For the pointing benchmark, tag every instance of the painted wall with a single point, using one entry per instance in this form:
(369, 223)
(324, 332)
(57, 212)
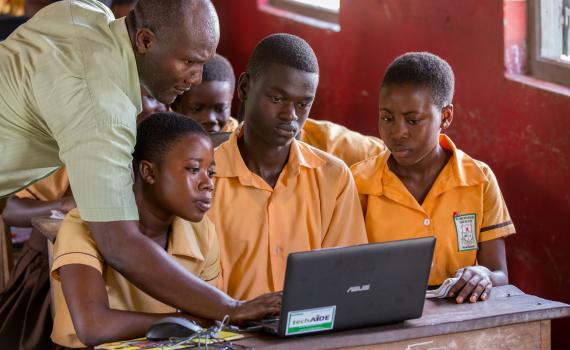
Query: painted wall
(521, 131)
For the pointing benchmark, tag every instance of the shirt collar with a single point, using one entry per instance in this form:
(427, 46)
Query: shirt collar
(372, 176)
(229, 162)
(183, 239)
(119, 29)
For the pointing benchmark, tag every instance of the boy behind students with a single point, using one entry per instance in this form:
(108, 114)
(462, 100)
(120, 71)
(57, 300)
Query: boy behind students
(210, 102)
(174, 169)
(275, 195)
(424, 186)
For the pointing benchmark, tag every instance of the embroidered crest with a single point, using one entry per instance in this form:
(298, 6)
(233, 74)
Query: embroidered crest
(465, 227)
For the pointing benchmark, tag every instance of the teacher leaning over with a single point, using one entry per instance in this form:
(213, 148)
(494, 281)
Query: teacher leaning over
(69, 94)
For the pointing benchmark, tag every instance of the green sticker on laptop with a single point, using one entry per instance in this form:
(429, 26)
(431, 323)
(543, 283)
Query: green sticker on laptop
(310, 320)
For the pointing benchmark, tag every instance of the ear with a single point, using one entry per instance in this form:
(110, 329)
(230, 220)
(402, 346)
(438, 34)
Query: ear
(144, 40)
(446, 116)
(243, 86)
(147, 171)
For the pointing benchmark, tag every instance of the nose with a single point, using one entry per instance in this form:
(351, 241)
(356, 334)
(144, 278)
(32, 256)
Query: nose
(206, 183)
(400, 129)
(210, 123)
(288, 112)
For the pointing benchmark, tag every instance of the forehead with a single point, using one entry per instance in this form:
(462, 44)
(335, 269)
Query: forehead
(194, 43)
(209, 90)
(190, 146)
(288, 79)
(408, 95)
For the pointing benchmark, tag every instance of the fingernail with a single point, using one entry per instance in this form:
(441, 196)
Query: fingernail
(452, 294)
(459, 300)
(484, 296)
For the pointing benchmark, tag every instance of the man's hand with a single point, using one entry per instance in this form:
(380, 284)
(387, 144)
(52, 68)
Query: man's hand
(474, 283)
(255, 309)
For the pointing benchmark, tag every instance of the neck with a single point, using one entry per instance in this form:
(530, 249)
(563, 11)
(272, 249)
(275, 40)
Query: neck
(263, 159)
(154, 222)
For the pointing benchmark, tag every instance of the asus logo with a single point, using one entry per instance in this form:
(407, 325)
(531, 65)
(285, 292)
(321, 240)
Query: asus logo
(355, 289)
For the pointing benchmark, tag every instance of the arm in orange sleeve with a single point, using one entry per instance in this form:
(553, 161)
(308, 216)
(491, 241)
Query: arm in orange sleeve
(346, 226)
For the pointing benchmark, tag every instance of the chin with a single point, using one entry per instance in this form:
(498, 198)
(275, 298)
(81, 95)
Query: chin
(166, 98)
(195, 217)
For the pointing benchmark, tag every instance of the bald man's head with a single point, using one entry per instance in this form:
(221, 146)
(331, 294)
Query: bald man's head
(166, 15)
(172, 39)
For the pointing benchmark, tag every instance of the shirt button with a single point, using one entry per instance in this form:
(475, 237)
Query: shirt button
(427, 222)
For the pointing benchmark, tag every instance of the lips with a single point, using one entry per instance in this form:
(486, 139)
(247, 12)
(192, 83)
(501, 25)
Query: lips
(204, 204)
(400, 151)
(286, 130)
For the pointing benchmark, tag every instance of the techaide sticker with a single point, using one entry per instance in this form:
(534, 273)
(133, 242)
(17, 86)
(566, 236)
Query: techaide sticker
(311, 320)
(465, 227)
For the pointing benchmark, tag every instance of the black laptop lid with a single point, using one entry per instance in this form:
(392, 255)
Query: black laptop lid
(349, 287)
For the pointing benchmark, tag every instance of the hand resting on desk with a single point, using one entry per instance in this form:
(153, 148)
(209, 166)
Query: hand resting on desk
(475, 282)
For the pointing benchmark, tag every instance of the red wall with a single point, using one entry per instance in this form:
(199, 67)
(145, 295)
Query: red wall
(522, 132)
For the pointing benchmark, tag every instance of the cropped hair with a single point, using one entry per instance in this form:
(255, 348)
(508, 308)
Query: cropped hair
(284, 49)
(159, 132)
(426, 70)
(219, 69)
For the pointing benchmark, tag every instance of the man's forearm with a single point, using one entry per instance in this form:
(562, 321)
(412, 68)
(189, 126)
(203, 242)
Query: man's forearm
(152, 270)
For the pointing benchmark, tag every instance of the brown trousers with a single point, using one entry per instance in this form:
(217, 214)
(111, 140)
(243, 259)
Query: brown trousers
(25, 316)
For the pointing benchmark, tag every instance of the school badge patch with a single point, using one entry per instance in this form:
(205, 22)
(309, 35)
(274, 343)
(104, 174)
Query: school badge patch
(465, 227)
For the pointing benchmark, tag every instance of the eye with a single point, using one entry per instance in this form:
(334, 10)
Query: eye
(195, 109)
(193, 170)
(276, 99)
(221, 109)
(304, 105)
(386, 117)
(211, 173)
(413, 121)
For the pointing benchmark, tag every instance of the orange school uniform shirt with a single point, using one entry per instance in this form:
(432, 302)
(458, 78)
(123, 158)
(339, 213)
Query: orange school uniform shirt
(463, 208)
(51, 188)
(314, 205)
(194, 245)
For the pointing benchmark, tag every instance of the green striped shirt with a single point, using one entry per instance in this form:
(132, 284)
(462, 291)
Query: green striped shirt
(69, 94)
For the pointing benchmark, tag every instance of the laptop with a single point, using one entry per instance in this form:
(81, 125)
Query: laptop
(352, 287)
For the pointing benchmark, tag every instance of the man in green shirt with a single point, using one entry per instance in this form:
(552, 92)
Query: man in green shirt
(69, 95)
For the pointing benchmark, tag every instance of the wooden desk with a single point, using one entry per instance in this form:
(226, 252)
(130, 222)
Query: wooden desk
(510, 319)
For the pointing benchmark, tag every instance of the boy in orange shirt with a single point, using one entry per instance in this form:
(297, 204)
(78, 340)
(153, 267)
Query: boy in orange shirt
(275, 195)
(424, 186)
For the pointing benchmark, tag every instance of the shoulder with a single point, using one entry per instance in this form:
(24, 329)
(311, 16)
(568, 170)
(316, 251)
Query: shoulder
(72, 222)
(370, 167)
(471, 170)
(329, 163)
(74, 236)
